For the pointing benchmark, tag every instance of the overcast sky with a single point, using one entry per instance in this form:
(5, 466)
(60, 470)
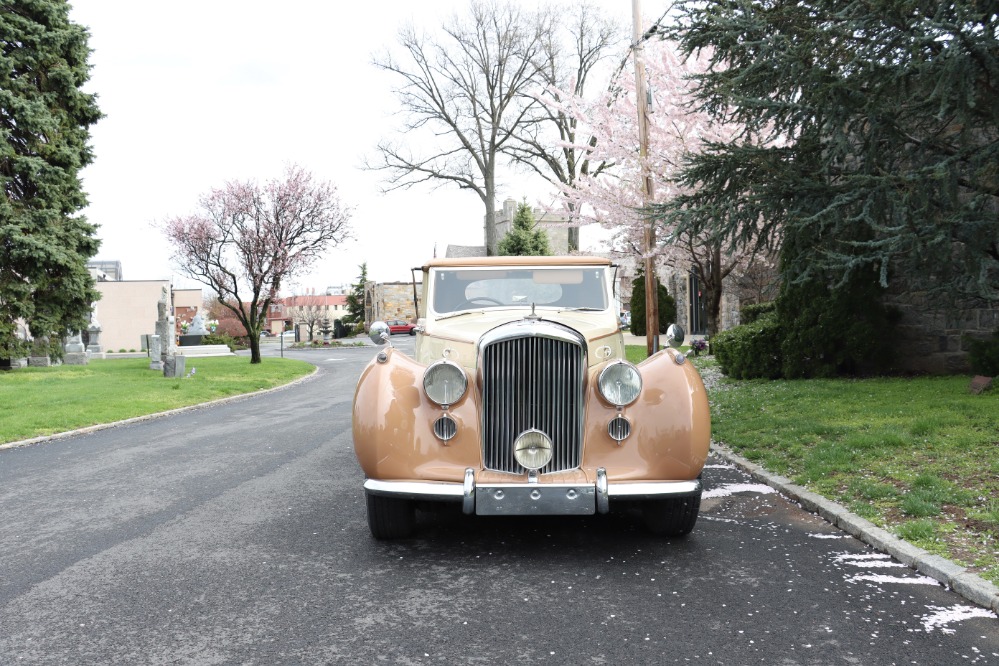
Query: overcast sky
(199, 92)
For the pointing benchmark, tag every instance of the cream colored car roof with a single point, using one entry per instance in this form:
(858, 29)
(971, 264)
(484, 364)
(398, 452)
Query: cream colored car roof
(492, 262)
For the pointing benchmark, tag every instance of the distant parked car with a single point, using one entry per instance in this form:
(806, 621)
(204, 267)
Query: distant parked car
(400, 326)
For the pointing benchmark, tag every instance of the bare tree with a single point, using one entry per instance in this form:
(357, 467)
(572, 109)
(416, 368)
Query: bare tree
(309, 310)
(465, 88)
(248, 239)
(549, 142)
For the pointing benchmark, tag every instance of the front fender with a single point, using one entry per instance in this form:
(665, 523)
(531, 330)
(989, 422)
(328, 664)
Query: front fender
(671, 424)
(393, 424)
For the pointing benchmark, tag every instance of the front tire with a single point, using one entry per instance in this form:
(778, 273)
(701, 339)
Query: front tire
(672, 517)
(391, 517)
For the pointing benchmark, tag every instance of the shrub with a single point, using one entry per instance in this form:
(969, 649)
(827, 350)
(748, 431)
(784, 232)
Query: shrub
(983, 355)
(750, 313)
(220, 339)
(829, 332)
(667, 306)
(751, 350)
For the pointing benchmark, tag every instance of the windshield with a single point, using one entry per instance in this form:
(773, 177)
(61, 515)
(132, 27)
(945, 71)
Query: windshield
(456, 290)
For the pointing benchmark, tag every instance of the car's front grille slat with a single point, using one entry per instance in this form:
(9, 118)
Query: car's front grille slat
(532, 381)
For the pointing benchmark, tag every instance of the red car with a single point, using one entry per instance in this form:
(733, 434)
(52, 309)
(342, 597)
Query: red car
(400, 326)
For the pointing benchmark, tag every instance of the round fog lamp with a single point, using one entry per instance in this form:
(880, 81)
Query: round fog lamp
(533, 450)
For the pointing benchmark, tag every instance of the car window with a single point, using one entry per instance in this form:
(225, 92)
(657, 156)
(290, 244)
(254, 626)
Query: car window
(466, 289)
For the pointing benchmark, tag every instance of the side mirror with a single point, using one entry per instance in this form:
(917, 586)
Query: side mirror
(379, 333)
(674, 336)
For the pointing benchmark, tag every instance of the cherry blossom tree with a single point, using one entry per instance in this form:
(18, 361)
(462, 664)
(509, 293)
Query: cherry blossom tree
(616, 198)
(248, 239)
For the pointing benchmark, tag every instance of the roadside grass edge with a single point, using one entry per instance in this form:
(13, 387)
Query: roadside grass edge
(969, 585)
(155, 415)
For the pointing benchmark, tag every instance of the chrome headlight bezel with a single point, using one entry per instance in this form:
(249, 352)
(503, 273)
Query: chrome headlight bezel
(444, 383)
(620, 383)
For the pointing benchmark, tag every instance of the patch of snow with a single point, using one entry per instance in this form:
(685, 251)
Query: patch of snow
(881, 578)
(728, 489)
(944, 616)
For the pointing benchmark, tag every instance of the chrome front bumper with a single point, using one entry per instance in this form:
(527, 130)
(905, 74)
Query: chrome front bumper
(520, 499)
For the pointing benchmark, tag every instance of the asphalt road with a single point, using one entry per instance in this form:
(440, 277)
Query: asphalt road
(236, 534)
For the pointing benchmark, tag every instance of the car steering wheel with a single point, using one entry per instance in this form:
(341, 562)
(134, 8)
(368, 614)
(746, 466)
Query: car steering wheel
(470, 302)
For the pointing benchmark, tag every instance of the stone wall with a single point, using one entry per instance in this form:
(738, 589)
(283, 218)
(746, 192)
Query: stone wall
(933, 338)
(390, 300)
(678, 286)
(553, 224)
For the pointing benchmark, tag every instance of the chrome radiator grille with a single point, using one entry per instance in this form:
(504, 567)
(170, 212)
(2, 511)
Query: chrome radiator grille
(532, 382)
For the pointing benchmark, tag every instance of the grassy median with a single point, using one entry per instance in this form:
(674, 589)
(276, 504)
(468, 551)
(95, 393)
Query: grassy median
(43, 401)
(918, 456)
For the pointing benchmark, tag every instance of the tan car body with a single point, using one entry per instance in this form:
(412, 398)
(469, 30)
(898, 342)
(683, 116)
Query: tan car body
(393, 419)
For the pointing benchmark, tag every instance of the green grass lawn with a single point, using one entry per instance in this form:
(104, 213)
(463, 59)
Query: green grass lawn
(43, 401)
(918, 456)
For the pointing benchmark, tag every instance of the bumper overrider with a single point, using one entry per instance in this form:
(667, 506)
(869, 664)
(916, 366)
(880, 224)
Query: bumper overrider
(532, 497)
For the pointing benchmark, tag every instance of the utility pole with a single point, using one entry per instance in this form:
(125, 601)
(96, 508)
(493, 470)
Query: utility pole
(651, 283)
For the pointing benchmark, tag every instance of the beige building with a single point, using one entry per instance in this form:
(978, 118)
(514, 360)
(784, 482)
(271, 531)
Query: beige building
(128, 310)
(307, 311)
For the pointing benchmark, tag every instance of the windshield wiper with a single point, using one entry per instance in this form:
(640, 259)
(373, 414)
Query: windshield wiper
(452, 315)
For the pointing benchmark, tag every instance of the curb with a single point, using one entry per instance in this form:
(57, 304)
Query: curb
(155, 415)
(971, 586)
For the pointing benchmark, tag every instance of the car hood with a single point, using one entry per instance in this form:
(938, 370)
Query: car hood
(456, 337)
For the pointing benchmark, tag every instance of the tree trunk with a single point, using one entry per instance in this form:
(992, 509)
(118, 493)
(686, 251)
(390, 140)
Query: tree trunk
(713, 292)
(254, 348)
(492, 242)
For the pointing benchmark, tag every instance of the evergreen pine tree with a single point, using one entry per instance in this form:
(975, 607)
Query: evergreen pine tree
(355, 299)
(870, 127)
(525, 239)
(667, 306)
(44, 124)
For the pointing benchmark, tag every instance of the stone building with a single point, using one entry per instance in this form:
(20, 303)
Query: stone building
(558, 236)
(933, 338)
(392, 300)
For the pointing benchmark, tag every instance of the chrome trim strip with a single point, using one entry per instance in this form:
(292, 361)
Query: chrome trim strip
(417, 490)
(465, 492)
(653, 489)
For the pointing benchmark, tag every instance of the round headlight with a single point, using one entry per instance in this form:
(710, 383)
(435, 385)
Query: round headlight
(533, 449)
(620, 383)
(445, 382)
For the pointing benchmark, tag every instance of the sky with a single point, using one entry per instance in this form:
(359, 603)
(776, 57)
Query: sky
(196, 93)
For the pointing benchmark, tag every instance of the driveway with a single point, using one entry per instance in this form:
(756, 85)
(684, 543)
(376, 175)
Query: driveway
(235, 534)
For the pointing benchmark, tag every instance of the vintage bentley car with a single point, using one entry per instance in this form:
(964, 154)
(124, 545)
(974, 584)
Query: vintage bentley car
(519, 401)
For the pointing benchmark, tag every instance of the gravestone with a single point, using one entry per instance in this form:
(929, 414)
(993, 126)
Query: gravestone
(196, 331)
(173, 366)
(166, 328)
(76, 352)
(94, 349)
(980, 384)
(39, 357)
(155, 362)
(197, 326)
